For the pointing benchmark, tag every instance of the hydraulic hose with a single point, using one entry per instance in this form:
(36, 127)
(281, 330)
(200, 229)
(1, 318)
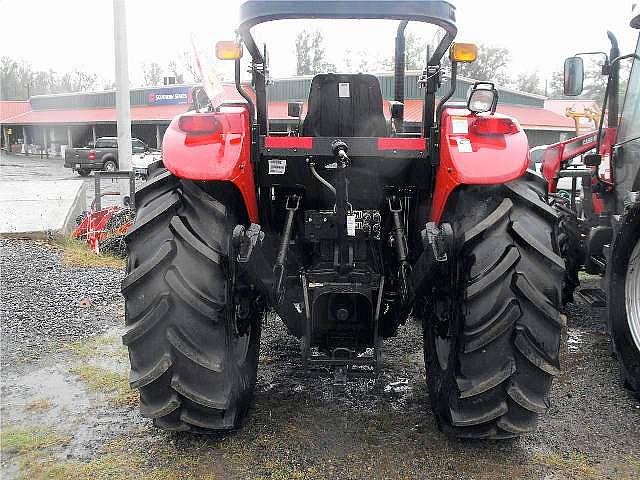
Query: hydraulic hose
(321, 179)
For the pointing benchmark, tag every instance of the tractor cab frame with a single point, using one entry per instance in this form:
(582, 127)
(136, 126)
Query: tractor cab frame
(440, 13)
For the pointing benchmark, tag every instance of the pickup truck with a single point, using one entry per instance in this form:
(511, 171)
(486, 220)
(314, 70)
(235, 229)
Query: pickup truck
(101, 156)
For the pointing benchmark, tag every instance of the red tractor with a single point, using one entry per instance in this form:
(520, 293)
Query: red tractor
(604, 238)
(345, 228)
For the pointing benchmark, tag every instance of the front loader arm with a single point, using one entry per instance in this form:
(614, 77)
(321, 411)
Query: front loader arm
(557, 155)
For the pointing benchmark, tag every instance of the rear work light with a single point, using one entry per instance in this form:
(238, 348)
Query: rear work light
(200, 124)
(91, 155)
(494, 126)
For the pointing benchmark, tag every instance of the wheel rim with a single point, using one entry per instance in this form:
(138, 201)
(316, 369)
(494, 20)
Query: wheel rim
(109, 167)
(632, 294)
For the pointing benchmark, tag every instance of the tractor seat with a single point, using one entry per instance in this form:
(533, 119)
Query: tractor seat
(345, 105)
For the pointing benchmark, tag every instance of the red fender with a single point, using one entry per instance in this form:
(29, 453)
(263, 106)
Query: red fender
(223, 154)
(477, 150)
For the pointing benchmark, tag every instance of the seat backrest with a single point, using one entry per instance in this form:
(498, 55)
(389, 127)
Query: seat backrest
(345, 105)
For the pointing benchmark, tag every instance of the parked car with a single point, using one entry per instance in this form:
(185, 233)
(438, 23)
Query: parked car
(141, 161)
(101, 156)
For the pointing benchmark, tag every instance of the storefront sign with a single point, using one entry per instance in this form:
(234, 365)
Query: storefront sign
(169, 96)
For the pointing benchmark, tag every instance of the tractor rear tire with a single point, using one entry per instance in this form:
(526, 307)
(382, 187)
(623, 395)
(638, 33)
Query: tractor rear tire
(492, 333)
(623, 295)
(194, 368)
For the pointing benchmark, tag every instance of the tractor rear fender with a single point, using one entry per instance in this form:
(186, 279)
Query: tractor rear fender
(477, 149)
(213, 146)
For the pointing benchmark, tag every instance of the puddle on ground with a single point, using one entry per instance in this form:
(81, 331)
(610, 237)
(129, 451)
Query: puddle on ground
(52, 397)
(575, 339)
(53, 384)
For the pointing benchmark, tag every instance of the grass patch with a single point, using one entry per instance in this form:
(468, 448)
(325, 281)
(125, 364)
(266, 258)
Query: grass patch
(40, 405)
(103, 467)
(78, 254)
(16, 440)
(573, 464)
(584, 276)
(120, 462)
(100, 346)
(115, 385)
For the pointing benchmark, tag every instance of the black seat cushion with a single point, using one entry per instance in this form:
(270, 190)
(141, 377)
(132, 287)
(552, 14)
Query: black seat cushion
(345, 105)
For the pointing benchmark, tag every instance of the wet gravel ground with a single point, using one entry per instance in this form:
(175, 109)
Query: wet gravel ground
(300, 426)
(45, 303)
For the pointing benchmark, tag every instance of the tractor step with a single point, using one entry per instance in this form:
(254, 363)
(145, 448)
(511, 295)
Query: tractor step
(594, 297)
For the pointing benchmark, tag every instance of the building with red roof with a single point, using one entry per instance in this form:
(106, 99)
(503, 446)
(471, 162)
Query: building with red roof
(77, 119)
(11, 108)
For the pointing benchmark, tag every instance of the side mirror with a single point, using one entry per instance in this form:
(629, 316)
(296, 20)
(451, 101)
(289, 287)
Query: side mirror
(294, 109)
(483, 97)
(228, 50)
(573, 76)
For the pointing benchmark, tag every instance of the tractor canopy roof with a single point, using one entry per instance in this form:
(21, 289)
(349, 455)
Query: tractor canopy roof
(437, 12)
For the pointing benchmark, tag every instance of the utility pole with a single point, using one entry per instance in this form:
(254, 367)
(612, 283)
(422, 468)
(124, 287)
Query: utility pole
(123, 105)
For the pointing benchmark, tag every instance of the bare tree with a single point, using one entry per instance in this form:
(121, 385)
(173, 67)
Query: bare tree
(190, 66)
(83, 81)
(415, 52)
(152, 74)
(174, 70)
(310, 53)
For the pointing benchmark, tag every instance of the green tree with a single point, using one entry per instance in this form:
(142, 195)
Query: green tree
(528, 82)
(415, 54)
(491, 65)
(18, 80)
(594, 84)
(555, 85)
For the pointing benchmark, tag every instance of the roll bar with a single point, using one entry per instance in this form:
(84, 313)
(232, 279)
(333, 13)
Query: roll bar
(437, 12)
(254, 12)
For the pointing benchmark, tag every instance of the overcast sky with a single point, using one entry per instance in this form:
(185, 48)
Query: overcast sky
(66, 34)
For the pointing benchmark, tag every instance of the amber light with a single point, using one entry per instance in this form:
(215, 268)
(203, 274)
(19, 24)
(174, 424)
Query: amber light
(228, 50)
(464, 52)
